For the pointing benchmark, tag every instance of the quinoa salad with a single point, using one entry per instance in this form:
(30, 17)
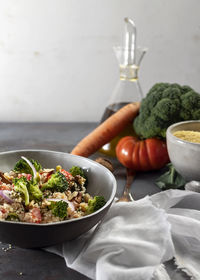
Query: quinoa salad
(33, 194)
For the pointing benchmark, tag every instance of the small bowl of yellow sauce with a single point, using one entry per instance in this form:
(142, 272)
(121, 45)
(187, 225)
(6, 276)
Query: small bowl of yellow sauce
(183, 144)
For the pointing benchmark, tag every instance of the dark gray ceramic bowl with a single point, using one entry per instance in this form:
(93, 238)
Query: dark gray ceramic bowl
(101, 182)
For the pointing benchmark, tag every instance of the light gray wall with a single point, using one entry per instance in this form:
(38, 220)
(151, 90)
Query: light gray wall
(56, 57)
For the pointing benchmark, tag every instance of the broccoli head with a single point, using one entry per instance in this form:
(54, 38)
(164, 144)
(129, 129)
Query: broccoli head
(190, 106)
(57, 182)
(164, 105)
(23, 167)
(95, 204)
(59, 209)
(21, 186)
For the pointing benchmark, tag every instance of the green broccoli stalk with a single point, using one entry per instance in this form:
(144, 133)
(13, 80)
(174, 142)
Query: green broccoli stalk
(36, 164)
(164, 105)
(59, 209)
(95, 204)
(20, 185)
(23, 167)
(34, 191)
(57, 182)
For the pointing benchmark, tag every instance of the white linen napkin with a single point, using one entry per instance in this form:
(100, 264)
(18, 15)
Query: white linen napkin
(134, 239)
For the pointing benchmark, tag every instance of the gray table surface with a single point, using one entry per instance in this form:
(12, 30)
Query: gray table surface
(26, 264)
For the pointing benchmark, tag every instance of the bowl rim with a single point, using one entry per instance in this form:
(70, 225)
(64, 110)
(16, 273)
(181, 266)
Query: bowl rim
(169, 133)
(108, 202)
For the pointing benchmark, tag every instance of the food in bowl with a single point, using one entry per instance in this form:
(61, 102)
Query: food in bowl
(184, 155)
(33, 194)
(187, 135)
(101, 182)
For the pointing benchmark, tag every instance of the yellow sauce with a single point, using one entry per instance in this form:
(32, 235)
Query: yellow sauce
(188, 135)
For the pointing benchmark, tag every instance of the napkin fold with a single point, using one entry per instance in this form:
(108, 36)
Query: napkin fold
(134, 240)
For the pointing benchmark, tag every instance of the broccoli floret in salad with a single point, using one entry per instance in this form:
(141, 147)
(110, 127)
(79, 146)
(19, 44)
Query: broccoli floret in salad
(77, 170)
(95, 204)
(57, 182)
(12, 217)
(59, 209)
(20, 185)
(23, 167)
(34, 190)
(29, 189)
(36, 164)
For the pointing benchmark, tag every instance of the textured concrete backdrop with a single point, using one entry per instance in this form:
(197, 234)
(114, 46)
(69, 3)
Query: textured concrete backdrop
(56, 57)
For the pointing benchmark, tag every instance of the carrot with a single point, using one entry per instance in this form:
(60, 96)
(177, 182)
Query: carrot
(107, 130)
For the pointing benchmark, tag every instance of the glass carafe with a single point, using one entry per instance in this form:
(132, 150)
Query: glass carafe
(128, 88)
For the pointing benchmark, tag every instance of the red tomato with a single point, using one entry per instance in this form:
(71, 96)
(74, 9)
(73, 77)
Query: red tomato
(28, 176)
(36, 215)
(48, 177)
(3, 210)
(142, 155)
(67, 174)
(8, 187)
